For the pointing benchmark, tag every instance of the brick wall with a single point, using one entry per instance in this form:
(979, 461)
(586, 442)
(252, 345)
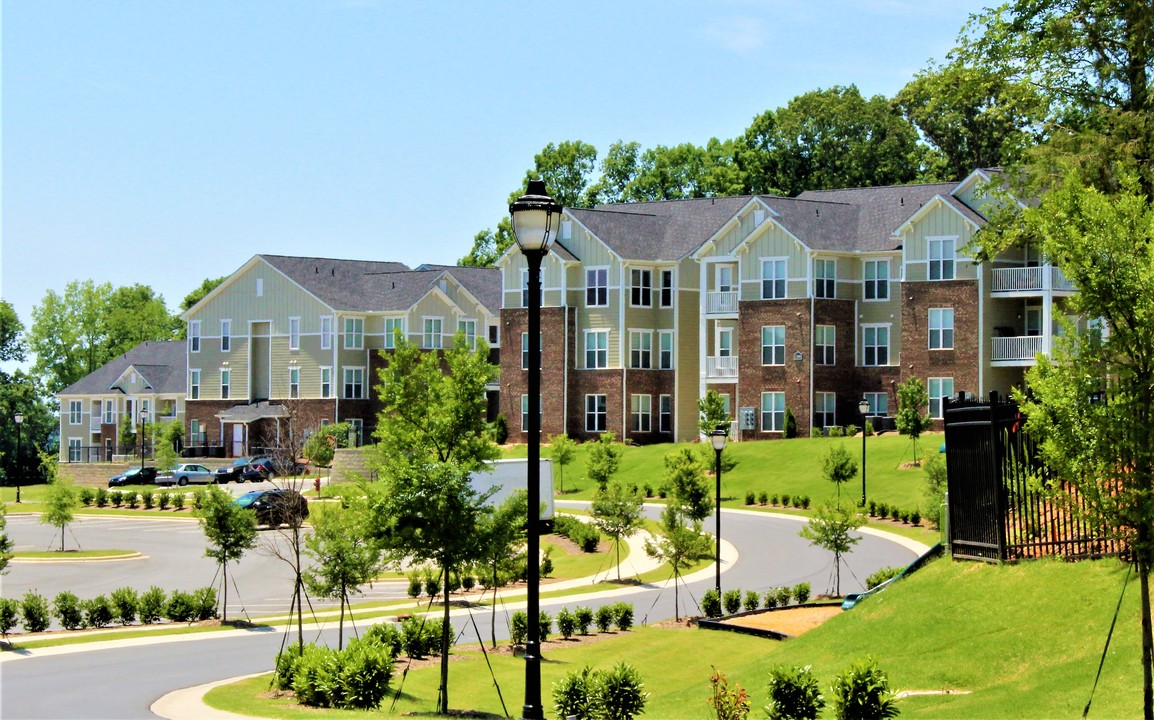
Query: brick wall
(792, 377)
(654, 383)
(515, 381)
(917, 360)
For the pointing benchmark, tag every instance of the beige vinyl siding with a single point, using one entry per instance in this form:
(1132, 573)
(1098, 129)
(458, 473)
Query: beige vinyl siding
(237, 300)
(687, 347)
(552, 274)
(941, 221)
(773, 242)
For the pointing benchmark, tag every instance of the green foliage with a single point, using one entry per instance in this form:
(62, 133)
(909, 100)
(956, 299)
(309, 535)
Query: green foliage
(101, 497)
(912, 397)
(562, 451)
(5, 541)
(519, 627)
(501, 429)
(830, 528)
(790, 424)
(573, 695)
(678, 545)
(415, 584)
(711, 603)
(204, 603)
(116, 497)
(181, 607)
(131, 499)
(685, 482)
(546, 568)
(320, 449)
(178, 500)
(861, 692)
(728, 703)
(152, 604)
(68, 608)
(147, 499)
(581, 533)
(9, 615)
(584, 617)
(544, 625)
(881, 575)
(732, 601)
(345, 559)
(356, 678)
(286, 665)
(763, 498)
(602, 459)
(229, 530)
(566, 623)
(801, 592)
(750, 497)
(388, 635)
(794, 694)
(125, 602)
(617, 513)
(620, 693)
(59, 507)
(604, 618)
(711, 412)
(34, 612)
(87, 496)
(752, 600)
(98, 612)
(623, 615)
(838, 466)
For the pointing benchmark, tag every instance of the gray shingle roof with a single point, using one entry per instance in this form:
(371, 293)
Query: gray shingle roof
(340, 284)
(484, 283)
(656, 231)
(163, 365)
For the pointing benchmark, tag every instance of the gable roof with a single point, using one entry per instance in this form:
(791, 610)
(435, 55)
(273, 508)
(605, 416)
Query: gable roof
(340, 284)
(658, 231)
(483, 283)
(162, 364)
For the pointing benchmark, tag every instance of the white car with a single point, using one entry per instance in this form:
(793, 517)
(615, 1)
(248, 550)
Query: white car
(184, 474)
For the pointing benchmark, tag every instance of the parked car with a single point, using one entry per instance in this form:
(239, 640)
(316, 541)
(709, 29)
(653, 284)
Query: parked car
(233, 472)
(265, 468)
(275, 507)
(183, 474)
(135, 476)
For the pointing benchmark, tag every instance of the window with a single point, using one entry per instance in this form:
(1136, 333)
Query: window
(75, 410)
(525, 349)
(326, 332)
(825, 409)
(665, 413)
(525, 413)
(595, 413)
(294, 382)
(194, 431)
(773, 345)
(640, 349)
(566, 229)
(394, 325)
(494, 336)
(260, 287)
(640, 413)
(824, 345)
(772, 412)
(879, 403)
(326, 382)
(356, 431)
(825, 278)
(596, 349)
(640, 287)
(469, 327)
(225, 383)
(877, 280)
(773, 279)
(939, 388)
(354, 383)
(194, 336)
(596, 287)
(724, 337)
(225, 335)
(294, 333)
(75, 449)
(666, 288)
(941, 258)
(354, 333)
(431, 337)
(525, 287)
(665, 349)
(110, 405)
(941, 328)
(875, 345)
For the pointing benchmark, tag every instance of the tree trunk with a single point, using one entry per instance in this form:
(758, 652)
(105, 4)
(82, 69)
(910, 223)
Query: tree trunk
(617, 542)
(224, 584)
(61, 538)
(297, 588)
(837, 574)
(676, 604)
(445, 645)
(341, 623)
(1143, 548)
(493, 618)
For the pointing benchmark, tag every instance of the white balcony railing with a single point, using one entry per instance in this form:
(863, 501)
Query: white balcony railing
(721, 366)
(1030, 279)
(94, 425)
(1016, 348)
(717, 303)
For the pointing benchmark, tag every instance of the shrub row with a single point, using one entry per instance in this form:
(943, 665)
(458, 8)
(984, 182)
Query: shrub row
(734, 601)
(124, 606)
(162, 499)
(881, 576)
(356, 678)
(860, 691)
(883, 511)
(581, 533)
(588, 694)
(839, 431)
(764, 498)
(570, 623)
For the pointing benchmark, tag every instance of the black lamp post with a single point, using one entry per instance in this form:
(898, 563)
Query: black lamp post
(535, 217)
(143, 417)
(863, 407)
(718, 438)
(19, 418)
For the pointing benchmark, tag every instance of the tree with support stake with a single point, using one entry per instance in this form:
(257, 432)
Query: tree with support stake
(230, 530)
(679, 546)
(617, 513)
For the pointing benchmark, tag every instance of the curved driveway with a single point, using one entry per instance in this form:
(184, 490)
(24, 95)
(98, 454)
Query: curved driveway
(122, 682)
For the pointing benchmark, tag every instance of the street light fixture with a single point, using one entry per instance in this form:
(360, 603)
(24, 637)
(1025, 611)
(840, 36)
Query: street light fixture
(718, 438)
(535, 217)
(19, 418)
(863, 407)
(143, 418)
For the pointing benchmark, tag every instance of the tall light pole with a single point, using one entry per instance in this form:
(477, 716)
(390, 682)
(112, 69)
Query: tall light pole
(143, 417)
(535, 218)
(863, 407)
(718, 438)
(19, 418)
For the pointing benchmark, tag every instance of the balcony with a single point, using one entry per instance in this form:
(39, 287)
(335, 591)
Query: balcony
(1020, 350)
(721, 303)
(94, 425)
(721, 366)
(1030, 280)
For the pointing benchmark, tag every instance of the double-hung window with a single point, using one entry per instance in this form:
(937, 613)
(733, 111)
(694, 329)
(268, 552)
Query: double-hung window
(773, 279)
(824, 345)
(664, 349)
(525, 349)
(354, 383)
(225, 335)
(825, 409)
(194, 336)
(225, 383)
(875, 345)
(941, 328)
(666, 288)
(942, 252)
(879, 403)
(354, 333)
(640, 413)
(193, 386)
(294, 333)
(431, 337)
(393, 325)
(772, 344)
(469, 327)
(596, 349)
(772, 411)
(641, 349)
(640, 287)
(525, 412)
(326, 332)
(596, 287)
(825, 279)
(326, 382)
(75, 410)
(938, 388)
(665, 413)
(595, 413)
(877, 280)
(294, 382)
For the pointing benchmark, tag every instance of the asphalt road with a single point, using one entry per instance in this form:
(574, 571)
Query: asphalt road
(124, 682)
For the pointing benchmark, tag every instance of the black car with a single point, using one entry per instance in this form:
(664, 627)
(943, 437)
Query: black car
(276, 507)
(231, 473)
(135, 476)
(265, 468)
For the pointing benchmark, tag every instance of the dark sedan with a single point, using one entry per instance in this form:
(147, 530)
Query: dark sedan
(135, 476)
(275, 507)
(265, 468)
(233, 472)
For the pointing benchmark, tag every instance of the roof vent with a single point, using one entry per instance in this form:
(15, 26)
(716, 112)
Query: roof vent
(334, 272)
(902, 201)
(394, 285)
(316, 270)
(818, 211)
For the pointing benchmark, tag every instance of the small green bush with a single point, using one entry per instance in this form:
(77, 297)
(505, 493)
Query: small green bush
(388, 635)
(728, 702)
(310, 672)
(770, 601)
(178, 501)
(881, 576)
(204, 603)
(873, 508)
(574, 695)
(98, 612)
(732, 601)
(895, 513)
(432, 586)
(584, 617)
(916, 518)
(752, 600)
(547, 564)
(783, 596)
(116, 498)
(796, 499)
(801, 593)
(850, 430)
(468, 581)
(544, 625)
(519, 627)
(648, 490)
(794, 694)
(162, 500)
(34, 611)
(180, 607)
(836, 431)
(501, 430)
(711, 604)
(566, 623)
(790, 424)
(131, 499)
(198, 498)
(67, 607)
(805, 502)
(773, 499)
(151, 606)
(763, 498)
(124, 603)
(623, 615)
(415, 584)
(784, 500)
(861, 692)
(620, 693)
(101, 498)
(363, 671)
(286, 664)
(87, 496)
(750, 497)
(605, 617)
(9, 615)
(883, 511)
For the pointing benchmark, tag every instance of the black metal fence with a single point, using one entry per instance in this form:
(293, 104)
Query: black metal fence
(999, 509)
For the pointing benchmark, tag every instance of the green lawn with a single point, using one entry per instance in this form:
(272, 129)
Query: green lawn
(1023, 639)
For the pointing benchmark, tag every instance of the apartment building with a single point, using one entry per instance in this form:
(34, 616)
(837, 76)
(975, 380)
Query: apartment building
(807, 304)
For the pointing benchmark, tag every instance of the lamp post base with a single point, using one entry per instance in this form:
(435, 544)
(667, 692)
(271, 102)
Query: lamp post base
(532, 675)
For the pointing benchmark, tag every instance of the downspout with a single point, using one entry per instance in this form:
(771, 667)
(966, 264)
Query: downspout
(621, 338)
(981, 330)
(702, 325)
(812, 322)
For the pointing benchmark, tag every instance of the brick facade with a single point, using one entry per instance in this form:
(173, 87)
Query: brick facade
(960, 362)
(515, 380)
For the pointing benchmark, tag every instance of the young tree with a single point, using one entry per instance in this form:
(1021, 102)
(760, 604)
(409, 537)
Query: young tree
(345, 559)
(679, 546)
(712, 412)
(501, 535)
(562, 450)
(617, 513)
(603, 459)
(838, 467)
(912, 397)
(164, 447)
(5, 542)
(229, 530)
(830, 528)
(61, 501)
(685, 481)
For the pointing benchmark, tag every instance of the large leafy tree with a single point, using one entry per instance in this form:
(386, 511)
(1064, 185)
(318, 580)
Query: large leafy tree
(431, 435)
(19, 392)
(136, 314)
(685, 482)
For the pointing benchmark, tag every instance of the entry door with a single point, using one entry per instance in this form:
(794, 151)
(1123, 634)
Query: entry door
(724, 342)
(724, 278)
(1033, 321)
(237, 440)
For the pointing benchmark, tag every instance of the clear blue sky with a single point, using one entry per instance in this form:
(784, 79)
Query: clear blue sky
(164, 142)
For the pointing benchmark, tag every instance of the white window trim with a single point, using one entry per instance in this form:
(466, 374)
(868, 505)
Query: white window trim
(641, 413)
(888, 279)
(294, 333)
(194, 336)
(425, 335)
(321, 379)
(604, 414)
(223, 384)
(389, 342)
(824, 262)
(470, 337)
(75, 412)
(832, 345)
(661, 272)
(672, 349)
(940, 395)
(588, 334)
(825, 396)
(350, 335)
(930, 241)
(594, 269)
(888, 345)
(930, 329)
(294, 369)
(761, 278)
(640, 335)
(873, 397)
(666, 427)
(226, 335)
(640, 287)
(345, 383)
(763, 346)
(762, 412)
(326, 332)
